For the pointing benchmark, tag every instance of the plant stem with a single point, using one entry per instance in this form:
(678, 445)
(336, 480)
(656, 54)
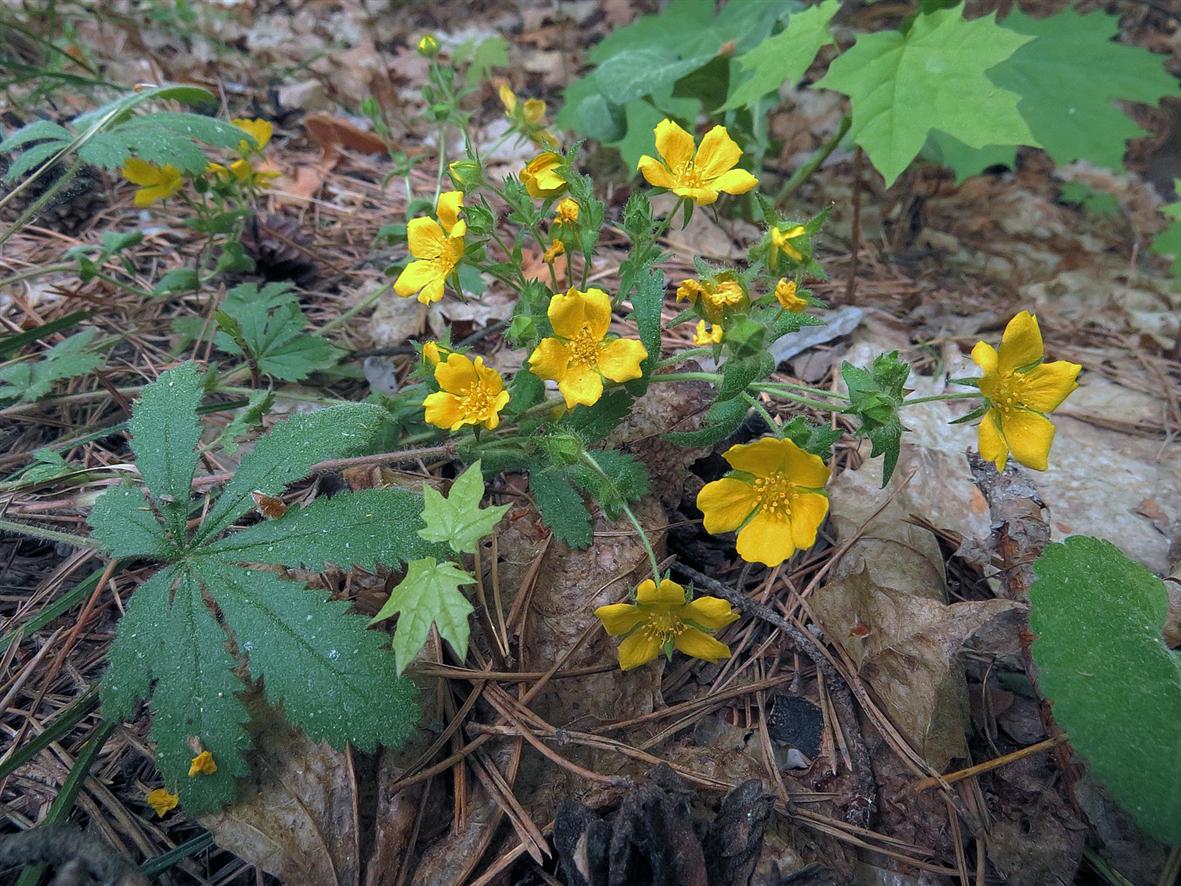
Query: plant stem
(716, 377)
(35, 272)
(772, 425)
(47, 534)
(348, 315)
(683, 355)
(652, 560)
(802, 174)
(966, 395)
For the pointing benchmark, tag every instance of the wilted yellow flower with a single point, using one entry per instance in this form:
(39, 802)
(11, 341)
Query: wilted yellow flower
(472, 394)
(203, 764)
(789, 299)
(427, 45)
(566, 212)
(1020, 391)
(781, 242)
(699, 176)
(162, 801)
(715, 297)
(578, 357)
(437, 247)
(155, 182)
(555, 248)
(542, 176)
(661, 620)
(775, 499)
(703, 337)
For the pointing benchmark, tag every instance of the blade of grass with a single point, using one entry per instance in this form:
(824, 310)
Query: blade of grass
(65, 720)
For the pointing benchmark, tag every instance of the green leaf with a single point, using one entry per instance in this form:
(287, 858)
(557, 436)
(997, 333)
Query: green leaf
(561, 507)
(176, 280)
(737, 374)
(596, 422)
(29, 381)
(784, 57)
(31, 158)
(1099, 204)
(722, 420)
(1114, 684)
(635, 73)
(903, 86)
(10, 344)
(875, 397)
(331, 673)
(647, 298)
(1168, 242)
(429, 594)
(139, 644)
(38, 130)
(247, 419)
(966, 162)
(1070, 77)
(458, 519)
(349, 529)
(123, 523)
(269, 324)
(163, 138)
(816, 439)
(624, 478)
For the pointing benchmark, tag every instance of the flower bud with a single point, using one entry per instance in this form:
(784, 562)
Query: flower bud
(563, 449)
(466, 174)
(428, 45)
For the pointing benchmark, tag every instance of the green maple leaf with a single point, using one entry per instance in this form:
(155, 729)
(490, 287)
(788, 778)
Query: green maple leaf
(1069, 78)
(784, 57)
(903, 86)
(458, 519)
(429, 594)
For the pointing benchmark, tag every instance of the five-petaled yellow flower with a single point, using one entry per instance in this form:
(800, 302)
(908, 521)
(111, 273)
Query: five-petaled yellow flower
(698, 176)
(789, 299)
(566, 212)
(710, 336)
(542, 176)
(437, 247)
(661, 620)
(715, 297)
(203, 764)
(774, 498)
(781, 242)
(162, 801)
(1021, 390)
(472, 394)
(155, 182)
(578, 357)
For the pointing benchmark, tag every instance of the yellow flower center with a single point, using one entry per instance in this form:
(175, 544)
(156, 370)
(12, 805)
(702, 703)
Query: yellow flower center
(774, 493)
(725, 294)
(1010, 391)
(476, 401)
(584, 349)
(662, 627)
(688, 176)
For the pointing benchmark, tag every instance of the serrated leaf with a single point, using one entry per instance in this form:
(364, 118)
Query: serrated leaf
(458, 520)
(1070, 49)
(349, 529)
(285, 454)
(429, 594)
(737, 374)
(596, 422)
(561, 508)
(270, 325)
(38, 130)
(29, 381)
(31, 158)
(331, 673)
(816, 439)
(176, 280)
(903, 86)
(163, 138)
(139, 644)
(785, 56)
(875, 396)
(722, 420)
(647, 298)
(1114, 684)
(247, 419)
(624, 478)
(122, 521)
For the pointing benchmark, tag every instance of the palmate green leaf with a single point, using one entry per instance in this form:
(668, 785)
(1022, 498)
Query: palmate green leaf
(1114, 685)
(1070, 76)
(783, 57)
(351, 528)
(875, 396)
(933, 77)
(331, 674)
(162, 138)
(139, 645)
(29, 381)
(647, 298)
(270, 325)
(624, 479)
(458, 520)
(38, 130)
(429, 594)
(722, 420)
(561, 507)
(123, 522)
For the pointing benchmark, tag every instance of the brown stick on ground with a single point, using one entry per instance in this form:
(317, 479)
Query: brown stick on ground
(864, 804)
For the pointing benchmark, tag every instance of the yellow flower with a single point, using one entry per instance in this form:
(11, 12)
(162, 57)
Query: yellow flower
(577, 357)
(260, 130)
(788, 298)
(715, 297)
(427, 45)
(566, 212)
(202, 764)
(703, 337)
(471, 394)
(1020, 391)
(542, 176)
(156, 182)
(433, 352)
(438, 248)
(556, 248)
(775, 499)
(529, 116)
(781, 242)
(699, 176)
(660, 620)
(162, 801)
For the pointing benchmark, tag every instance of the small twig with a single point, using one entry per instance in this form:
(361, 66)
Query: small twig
(989, 765)
(805, 172)
(855, 252)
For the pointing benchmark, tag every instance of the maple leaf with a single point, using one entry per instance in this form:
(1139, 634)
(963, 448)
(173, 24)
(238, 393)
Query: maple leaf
(458, 519)
(429, 594)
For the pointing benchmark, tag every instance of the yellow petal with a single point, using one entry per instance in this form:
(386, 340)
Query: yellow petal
(573, 311)
(508, 98)
(669, 593)
(549, 359)
(808, 510)
(718, 154)
(443, 410)
(620, 360)
(145, 197)
(991, 441)
(488, 377)
(700, 196)
(726, 503)
(765, 540)
(709, 612)
(655, 172)
(260, 130)
(762, 457)
(202, 764)
(984, 355)
(542, 175)
(580, 385)
(1021, 344)
(433, 291)
(619, 618)
(696, 644)
(415, 276)
(425, 238)
(804, 468)
(456, 374)
(534, 111)
(447, 209)
(1029, 436)
(673, 143)
(141, 172)
(162, 801)
(638, 649)
(1048, 385)
(498, 404)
